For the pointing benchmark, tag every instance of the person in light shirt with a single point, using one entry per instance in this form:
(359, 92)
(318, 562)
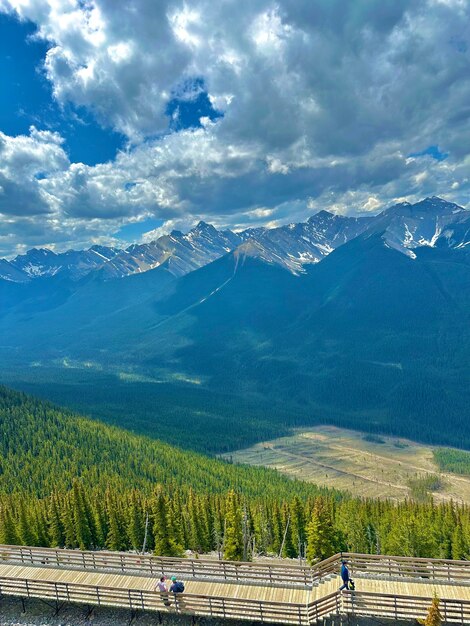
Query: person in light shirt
(162, 588)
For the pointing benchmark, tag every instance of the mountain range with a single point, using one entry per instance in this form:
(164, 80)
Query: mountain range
(375, 336)
(406, 226)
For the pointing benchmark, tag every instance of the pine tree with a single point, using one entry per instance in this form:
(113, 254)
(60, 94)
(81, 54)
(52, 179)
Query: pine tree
(197, 541)
(8, 534)
(321, 535)
(100, 521)
(459, 545)
(115, 539)
(289, 550)
(41, 528)
(68, 524)
(56, 527)
(83, 532)
(165, 544)
(135, 524)
(298, 524)
(24, 527)
(434, 616)
(233, 535)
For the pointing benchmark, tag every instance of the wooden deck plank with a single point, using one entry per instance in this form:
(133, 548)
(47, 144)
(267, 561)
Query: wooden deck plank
(116, 588)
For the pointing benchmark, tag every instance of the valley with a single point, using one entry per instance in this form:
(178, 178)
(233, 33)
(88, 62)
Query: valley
(244, 346)
(363, 465)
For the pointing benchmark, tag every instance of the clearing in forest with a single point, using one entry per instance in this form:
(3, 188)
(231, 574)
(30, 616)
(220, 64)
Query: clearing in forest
(365, 465)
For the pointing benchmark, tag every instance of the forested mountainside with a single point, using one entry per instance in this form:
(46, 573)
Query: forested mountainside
(66, 481)
(43, 447)
(376, 336)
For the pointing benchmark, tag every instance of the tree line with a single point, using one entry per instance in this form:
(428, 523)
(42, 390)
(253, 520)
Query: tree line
(236, 526)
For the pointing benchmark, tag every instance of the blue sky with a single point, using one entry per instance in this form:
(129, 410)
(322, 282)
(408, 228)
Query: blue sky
(120, 125)
(26, 98)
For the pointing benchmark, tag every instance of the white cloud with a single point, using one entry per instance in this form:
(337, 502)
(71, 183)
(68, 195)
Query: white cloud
(322, 103)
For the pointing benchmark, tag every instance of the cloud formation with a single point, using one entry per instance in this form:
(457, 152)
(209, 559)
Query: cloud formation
(321, 105)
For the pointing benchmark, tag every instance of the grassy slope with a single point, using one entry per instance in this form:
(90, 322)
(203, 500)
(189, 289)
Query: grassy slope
(365, 466)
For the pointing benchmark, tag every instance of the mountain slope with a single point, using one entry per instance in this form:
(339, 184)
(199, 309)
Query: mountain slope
(43, 447)
(76, 263)
(406, 226)
(371, 336)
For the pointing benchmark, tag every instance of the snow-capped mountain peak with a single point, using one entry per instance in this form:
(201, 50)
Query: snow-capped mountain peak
(432, 222)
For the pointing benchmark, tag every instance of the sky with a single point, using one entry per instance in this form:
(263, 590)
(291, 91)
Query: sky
(122, 121)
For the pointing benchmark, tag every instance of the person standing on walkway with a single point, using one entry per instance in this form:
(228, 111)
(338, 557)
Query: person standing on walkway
(162, 588)
(344, 575)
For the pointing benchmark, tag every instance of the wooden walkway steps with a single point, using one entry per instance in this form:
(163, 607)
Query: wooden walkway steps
(385, 586)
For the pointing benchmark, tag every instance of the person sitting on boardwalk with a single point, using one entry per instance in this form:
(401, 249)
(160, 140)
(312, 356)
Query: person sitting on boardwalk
(344, 575)
(162, 588)
(177, 586)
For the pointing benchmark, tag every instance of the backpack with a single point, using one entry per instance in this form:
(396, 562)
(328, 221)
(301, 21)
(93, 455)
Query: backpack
(352, 585)
(178, 587)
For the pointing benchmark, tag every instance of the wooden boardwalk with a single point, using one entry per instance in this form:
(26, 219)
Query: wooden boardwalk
(392, 587)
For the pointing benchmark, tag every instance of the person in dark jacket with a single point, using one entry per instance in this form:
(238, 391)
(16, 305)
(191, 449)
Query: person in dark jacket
(176, 585)
(344, 575)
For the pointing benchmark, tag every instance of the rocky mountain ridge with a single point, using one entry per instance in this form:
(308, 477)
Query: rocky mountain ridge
(404, 226)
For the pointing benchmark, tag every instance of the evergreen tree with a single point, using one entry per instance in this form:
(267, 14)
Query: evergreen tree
(115, 539)
(68, 524)
(56, 527)
(8, 534)
(434, 616)
(233, 535)
(83, 532)
(297, 515)
(410, 538)
(165, 544)
(198, 541)
(24, 527)
(289, 550)
(322, 540)
(135, 524)
(459, 545)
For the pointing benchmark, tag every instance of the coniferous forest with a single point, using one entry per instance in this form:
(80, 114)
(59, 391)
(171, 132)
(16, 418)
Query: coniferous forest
(66, 481)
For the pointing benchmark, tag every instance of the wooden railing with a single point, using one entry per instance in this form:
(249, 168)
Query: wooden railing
(401, 567)
(399, 607)
(357, 603)
(136, 599)
(376, 566)
(327, 605)
(360, 603)
(196, 569)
